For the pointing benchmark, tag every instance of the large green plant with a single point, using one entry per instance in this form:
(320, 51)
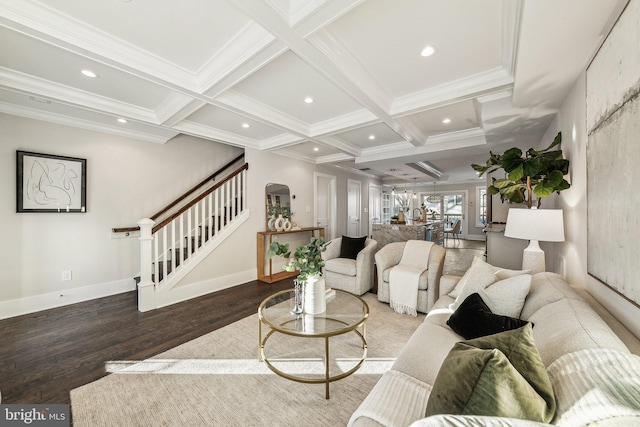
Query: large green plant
(539, 173)
(307, 258)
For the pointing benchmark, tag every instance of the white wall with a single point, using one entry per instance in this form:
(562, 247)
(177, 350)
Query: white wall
(235, 261)
(126, 179)
(571, 121)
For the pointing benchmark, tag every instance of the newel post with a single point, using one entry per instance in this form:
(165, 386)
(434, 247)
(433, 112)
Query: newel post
(146, 287)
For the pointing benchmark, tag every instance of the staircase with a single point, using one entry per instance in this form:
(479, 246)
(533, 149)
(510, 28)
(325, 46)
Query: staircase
(171, 248)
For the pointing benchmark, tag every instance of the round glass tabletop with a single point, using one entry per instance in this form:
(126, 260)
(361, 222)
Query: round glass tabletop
(345, 312)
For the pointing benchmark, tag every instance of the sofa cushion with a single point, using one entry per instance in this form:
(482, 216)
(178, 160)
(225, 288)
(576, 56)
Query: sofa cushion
(344, 266)
(474, 319)
(546, 288)
(504, 297)
(497, 375)
(350, 246)
(570, 325)
(597, 387)
(422, 284)
(480, 271)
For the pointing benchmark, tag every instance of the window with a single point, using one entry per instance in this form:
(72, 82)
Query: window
(481, 206)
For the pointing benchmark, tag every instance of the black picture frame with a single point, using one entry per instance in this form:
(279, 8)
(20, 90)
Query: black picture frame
(50, 184)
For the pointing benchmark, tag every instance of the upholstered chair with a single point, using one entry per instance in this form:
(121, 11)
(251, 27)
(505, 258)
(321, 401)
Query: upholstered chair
(348, 268)
(429, 284)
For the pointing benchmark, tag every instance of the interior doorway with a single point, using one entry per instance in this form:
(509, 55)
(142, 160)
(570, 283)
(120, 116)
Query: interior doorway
(375, 206)
(325, 210)
(354, 201)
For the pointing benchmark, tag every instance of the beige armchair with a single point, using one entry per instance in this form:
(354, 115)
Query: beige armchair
(429, 285)
(352, 275)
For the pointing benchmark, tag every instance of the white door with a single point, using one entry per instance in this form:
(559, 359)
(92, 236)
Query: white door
(325, 204)
(354, 197)
(375, 206)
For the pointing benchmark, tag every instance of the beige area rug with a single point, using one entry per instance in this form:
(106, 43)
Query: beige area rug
(216, 380)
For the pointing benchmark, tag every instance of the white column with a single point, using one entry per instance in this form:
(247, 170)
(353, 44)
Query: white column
(146, 287)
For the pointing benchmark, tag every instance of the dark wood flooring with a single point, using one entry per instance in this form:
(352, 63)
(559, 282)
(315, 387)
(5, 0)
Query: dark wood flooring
(44, 355)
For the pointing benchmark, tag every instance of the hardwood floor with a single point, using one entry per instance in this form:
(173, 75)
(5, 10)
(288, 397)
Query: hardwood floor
(44, 355)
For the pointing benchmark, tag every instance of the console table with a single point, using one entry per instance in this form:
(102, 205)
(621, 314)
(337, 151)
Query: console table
(265, 266)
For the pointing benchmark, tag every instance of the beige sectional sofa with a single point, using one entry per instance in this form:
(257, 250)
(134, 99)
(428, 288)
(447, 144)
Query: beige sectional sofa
(595, 378)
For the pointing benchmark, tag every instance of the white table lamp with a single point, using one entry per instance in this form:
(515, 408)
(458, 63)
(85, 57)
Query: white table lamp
(535, 225)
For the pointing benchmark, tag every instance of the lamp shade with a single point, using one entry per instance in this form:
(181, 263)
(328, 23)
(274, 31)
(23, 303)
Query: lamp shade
(545, 225)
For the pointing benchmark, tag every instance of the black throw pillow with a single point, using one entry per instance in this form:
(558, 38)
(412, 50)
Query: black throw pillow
(351, 246)
(474, 319)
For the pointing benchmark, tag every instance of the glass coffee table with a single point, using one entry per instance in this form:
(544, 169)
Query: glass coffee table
(345, 313)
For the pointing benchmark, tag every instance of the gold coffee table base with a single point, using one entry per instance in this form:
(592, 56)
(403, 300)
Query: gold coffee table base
(289, 324)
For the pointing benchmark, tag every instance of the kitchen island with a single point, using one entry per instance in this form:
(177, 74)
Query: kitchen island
(432, 230)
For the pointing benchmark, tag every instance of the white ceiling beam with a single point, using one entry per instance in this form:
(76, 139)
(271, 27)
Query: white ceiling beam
(263, 14)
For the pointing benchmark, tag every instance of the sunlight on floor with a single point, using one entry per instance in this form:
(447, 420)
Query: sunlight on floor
(370, 366)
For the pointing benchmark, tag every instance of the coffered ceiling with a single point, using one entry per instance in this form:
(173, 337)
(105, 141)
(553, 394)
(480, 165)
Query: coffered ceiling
(339, 82)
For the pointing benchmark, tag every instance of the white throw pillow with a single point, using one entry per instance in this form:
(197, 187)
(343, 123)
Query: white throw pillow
(504, 297)
(480, 267)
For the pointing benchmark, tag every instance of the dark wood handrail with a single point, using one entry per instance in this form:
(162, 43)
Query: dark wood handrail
(189, 192)
(200, 197)
(182, 197)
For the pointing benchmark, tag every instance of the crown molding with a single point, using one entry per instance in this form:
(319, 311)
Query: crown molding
(45, 23)
(46, 116)
(21, 82)
(512, 12)
(353, 120)
(473, 86)
(249, 42)
(177, 107)
(247, 106)
(217, 135)
(280, 141)
(341, 145)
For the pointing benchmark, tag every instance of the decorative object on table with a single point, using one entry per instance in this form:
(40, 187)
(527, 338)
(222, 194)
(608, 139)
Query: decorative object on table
(50, 183)
(539, 173)
(308, 260)
(535, 225)
(279, 223)
(273, 212)
(298, 298)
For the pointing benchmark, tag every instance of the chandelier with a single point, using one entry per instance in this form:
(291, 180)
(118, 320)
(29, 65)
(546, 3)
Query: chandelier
(434, 198)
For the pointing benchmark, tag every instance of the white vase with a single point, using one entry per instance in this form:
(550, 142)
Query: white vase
(270, 225)
(279, 223)
(315, 296)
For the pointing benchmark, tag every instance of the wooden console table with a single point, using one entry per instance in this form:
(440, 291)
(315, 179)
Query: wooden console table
(265, 239)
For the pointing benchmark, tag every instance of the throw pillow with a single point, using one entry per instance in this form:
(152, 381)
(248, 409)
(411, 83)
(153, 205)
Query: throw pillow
(504, 297)
(479, 272)
(474, 319)
(479, 265)
(498, 375)
(350, 246)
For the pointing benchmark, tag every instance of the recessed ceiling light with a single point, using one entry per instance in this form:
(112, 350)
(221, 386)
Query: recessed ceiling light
(308, 100)
(372, 137)
(428, 51)
(446, 121)
(123, 121)
(89, 73)
(246, 125)
(316, 149)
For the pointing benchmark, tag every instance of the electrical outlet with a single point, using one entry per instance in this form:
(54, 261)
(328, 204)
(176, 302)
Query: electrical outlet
(66, 275)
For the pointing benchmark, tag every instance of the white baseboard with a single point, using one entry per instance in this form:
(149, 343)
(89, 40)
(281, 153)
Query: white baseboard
(182, 293)
(18, 307)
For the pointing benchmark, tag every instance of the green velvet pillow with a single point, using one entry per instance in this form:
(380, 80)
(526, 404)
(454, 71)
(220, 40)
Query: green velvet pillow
(497, 375)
